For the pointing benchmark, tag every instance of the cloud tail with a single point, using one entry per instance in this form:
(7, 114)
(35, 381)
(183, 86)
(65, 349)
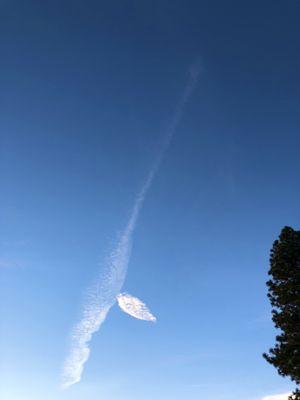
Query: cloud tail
(103, 295)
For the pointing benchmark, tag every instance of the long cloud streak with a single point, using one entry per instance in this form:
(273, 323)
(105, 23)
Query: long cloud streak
(103, 295)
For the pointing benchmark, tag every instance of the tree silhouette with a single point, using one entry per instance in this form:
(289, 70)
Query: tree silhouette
(284, 295)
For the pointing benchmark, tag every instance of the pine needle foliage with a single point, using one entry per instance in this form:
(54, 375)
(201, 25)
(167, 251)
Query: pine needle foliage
(284, 294)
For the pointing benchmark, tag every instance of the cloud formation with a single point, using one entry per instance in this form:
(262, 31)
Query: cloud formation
(283, 396)
(103, 295)
(100, 298)
(134, 307)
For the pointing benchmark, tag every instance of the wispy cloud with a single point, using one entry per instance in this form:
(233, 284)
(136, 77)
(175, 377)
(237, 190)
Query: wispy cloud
(134, 307)
(103, 295)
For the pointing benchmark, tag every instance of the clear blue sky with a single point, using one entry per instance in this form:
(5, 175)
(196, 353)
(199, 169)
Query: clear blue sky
(87, 90)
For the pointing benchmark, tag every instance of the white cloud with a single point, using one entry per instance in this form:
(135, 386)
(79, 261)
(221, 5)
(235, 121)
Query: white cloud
(101, 298)
(283, 396)
(134, 307)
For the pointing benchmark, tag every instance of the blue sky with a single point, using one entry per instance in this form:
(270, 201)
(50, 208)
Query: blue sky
(88, 91)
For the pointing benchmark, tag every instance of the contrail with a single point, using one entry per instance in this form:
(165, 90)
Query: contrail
(103, 295)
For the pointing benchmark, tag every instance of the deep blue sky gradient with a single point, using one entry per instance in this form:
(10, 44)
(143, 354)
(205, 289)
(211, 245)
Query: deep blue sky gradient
(87, 91)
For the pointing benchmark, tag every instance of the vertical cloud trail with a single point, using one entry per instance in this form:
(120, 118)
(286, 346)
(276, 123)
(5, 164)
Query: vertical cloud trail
(103, 295)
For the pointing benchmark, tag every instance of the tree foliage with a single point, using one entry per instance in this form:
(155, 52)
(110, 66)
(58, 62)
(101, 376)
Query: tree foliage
(284, 295)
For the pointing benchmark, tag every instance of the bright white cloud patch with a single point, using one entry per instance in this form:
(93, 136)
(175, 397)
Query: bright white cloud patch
(134, 307)
(283, 396)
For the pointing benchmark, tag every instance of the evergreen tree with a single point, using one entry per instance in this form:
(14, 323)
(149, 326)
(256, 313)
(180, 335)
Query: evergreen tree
(284, 295)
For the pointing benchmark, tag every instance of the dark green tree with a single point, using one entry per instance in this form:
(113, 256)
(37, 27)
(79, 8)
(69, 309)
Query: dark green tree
(284, 295)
